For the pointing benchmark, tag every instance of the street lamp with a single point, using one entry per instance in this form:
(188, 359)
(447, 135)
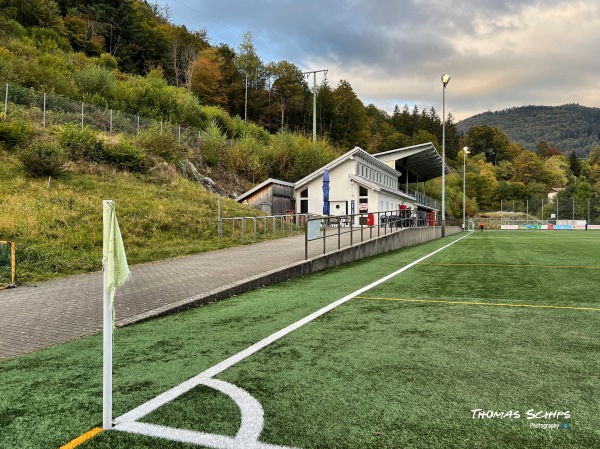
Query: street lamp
(465, 152)
(445, 81)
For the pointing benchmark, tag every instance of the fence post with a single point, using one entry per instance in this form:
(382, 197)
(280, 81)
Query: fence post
(44, 122)
(305, 239)
(138, 123)
(110, 125)
(220, 223)
(82, 115)
(6, 101)
(324, 236)
(588, 212)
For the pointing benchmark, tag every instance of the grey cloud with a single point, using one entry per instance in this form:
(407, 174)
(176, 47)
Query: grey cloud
(395, 50)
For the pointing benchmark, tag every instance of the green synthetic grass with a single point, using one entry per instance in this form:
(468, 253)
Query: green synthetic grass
(372, 373)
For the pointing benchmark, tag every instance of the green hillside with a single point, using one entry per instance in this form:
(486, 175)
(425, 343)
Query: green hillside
(569, 128)
(57, 222)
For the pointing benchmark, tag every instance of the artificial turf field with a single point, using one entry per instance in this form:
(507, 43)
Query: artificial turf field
(500, 321)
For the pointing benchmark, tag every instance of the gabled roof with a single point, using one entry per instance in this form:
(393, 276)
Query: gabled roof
(261, 185)
(356, 152)
(378, 187)
(422, 160)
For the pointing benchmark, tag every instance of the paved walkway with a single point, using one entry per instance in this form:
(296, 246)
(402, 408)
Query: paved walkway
(58, 311)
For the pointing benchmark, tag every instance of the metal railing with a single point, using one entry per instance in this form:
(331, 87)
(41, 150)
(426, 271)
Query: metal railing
(262, 226)
(424, 200)
(345, 230)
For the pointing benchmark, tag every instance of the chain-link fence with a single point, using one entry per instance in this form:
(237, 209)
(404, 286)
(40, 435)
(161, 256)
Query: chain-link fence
(48, 110)
(555, 211)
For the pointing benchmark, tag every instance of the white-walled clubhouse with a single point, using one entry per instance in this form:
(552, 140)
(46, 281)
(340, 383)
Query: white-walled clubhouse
(362, 183)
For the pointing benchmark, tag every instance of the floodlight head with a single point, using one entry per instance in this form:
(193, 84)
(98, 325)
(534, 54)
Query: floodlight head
(466, 150)
(445, 79)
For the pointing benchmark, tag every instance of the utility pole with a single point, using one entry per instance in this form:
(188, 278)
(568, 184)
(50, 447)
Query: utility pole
(246, 101)
(314, 72)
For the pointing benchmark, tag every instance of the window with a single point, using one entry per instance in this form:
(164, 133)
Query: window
(304, 201)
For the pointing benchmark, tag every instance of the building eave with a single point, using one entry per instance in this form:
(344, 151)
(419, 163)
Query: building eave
(255, 189)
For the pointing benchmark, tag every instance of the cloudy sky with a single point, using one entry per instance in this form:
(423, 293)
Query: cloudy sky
(500, 54)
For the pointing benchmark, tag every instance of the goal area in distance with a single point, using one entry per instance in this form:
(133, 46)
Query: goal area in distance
(7, 264)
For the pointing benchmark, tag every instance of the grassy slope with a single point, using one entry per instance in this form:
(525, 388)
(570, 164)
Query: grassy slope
(57, 226)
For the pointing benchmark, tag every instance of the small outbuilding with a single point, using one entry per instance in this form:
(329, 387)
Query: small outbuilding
(553, 192)
(272, 197)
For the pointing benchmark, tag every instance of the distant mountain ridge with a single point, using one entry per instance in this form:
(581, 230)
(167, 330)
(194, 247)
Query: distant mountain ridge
(570, 127)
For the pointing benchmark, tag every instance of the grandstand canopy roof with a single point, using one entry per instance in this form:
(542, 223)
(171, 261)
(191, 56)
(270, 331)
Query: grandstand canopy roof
(423, 161)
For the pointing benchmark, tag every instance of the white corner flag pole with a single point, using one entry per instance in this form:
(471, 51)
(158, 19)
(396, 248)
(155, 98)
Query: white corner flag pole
(107, 356)
(115, 273)
(108, 207)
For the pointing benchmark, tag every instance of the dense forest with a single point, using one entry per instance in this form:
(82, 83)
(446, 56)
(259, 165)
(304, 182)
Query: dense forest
(570, 128)
(127, 55)
(129, 39)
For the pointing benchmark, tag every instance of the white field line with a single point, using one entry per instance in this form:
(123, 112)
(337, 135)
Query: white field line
(127, 422)
(246, 438)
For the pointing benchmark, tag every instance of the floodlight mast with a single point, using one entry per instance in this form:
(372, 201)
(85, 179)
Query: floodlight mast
(445, 81)
(465, 152)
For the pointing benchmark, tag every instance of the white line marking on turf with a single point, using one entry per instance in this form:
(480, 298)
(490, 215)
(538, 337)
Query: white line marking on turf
(247, 436)
(127, 422)
(198, 438)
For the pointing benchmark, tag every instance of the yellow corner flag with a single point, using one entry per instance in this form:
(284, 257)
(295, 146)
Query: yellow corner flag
(114, 259)
(116, 272)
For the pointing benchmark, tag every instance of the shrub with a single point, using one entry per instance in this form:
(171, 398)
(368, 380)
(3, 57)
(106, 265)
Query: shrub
(79, 143)
(213, 143)
(310, 156)
(125, 156)
(95, 80)
(42, 36)
(162, 144)
(15, 132)
(244, 157)
(107, 61)
(12, 28)
(280, 155)
(42, 158)
(239, 129)
(220, 117)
